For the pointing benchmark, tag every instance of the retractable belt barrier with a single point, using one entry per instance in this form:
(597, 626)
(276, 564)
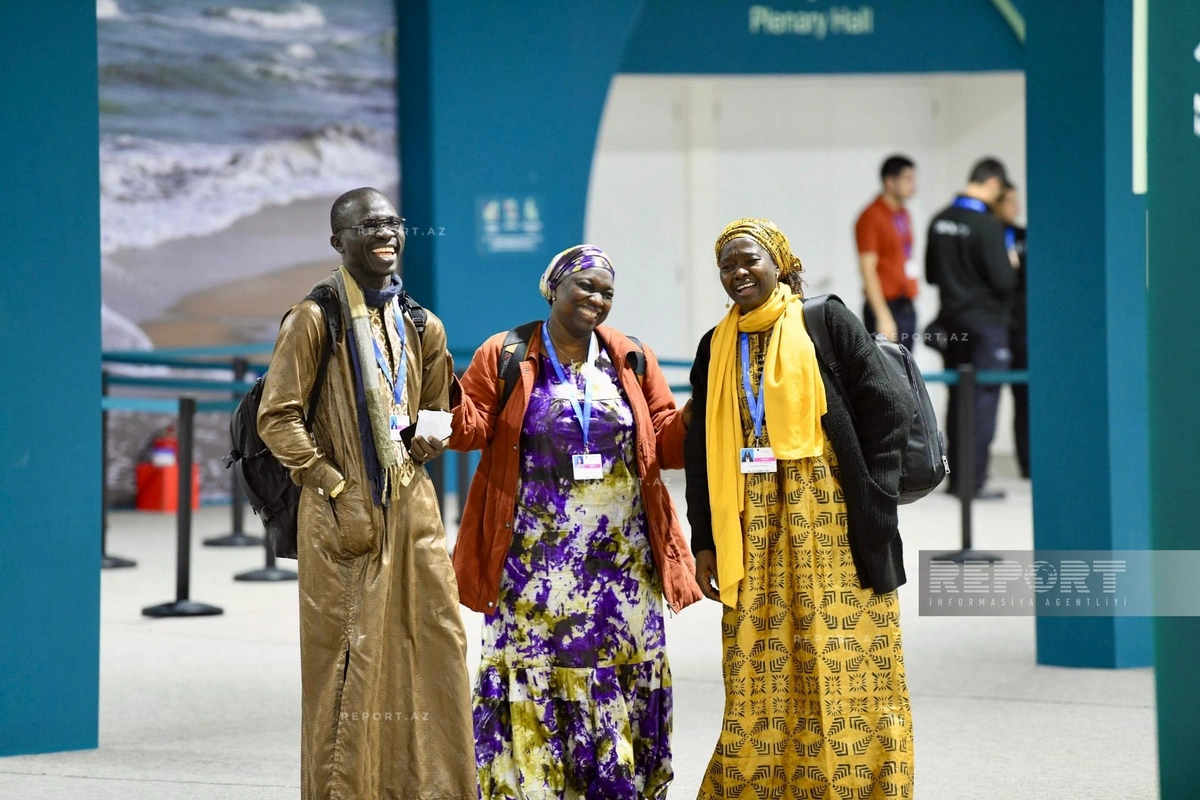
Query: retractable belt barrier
(235, 359)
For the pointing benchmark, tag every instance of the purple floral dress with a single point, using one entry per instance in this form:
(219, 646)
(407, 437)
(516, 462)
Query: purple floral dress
(573, 698)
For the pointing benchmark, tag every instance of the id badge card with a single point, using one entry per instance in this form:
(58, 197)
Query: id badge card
(757, 459)
(588, 466)
(910, 270)
(397, 423)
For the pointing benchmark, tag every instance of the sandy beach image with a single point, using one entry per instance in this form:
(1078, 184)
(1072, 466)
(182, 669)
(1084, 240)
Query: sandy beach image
(227, 129)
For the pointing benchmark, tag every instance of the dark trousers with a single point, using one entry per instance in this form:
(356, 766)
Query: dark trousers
(1020, 360)
(906, 320)
(986, 347)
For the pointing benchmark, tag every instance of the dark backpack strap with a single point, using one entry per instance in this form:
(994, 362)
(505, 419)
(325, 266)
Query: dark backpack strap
(512, 353)
(818, 331)
(331, 309)
(638, 356)
(416, 313)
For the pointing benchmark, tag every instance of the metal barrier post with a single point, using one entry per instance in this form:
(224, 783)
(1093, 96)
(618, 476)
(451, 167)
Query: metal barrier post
(966, 448)
(437, 473)
(106, 561)
(965, 436)
(464, 481)
(270, 572)
(183, 606)
(238, 538)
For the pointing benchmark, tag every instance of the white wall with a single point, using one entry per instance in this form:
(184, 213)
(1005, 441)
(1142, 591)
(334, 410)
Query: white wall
(679, 157)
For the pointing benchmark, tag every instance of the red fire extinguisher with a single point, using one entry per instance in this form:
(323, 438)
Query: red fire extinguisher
(164, 451)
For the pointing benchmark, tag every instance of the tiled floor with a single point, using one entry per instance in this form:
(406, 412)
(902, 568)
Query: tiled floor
(208, 708)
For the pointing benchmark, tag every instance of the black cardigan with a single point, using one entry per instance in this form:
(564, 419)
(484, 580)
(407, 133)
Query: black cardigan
(869, 460)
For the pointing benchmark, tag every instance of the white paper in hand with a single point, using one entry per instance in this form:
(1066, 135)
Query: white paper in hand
(434, 424)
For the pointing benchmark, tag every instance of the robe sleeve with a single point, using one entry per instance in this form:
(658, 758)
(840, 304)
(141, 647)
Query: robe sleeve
(286, 389)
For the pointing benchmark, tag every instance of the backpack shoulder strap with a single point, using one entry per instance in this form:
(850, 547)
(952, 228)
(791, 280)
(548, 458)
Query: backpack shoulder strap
(818, 331)
(331, 309)
(512, 353)
(416, 313)
(638, 354)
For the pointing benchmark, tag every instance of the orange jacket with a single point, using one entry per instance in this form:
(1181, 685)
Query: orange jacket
(485, 535)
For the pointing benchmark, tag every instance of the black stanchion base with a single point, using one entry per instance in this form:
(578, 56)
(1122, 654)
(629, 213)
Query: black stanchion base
(116, 562)
(182, 608)
(963, 556)
(271, 574)
(234, 540)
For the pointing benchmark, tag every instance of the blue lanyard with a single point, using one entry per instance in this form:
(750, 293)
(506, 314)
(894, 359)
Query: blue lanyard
(971, 204)
(757, 403)
(402, 368)
(584, 414)
(900, 220)
(1010, 237)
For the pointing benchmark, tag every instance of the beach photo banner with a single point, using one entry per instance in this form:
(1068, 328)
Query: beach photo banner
(227, 128)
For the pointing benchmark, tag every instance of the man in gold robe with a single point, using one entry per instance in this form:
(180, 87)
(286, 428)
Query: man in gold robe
(385, 697)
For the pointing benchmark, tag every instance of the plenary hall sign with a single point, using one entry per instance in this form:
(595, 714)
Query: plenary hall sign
(508, 224)
(816, 23)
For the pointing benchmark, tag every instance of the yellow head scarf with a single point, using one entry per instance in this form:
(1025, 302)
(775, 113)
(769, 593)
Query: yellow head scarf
(793, 392)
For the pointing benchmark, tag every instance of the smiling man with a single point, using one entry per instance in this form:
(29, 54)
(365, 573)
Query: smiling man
(385, 698)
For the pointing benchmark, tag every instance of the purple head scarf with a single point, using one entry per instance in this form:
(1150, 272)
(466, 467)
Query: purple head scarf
(570, 261)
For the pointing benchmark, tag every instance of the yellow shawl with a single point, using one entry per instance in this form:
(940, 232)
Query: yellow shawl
(795, 402)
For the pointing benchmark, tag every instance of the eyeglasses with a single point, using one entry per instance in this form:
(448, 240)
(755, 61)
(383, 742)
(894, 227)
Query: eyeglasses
(374, 226)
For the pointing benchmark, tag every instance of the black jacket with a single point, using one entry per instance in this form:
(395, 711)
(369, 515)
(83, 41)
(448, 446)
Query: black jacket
(1018, 295)
(966, 258)
(869, 459)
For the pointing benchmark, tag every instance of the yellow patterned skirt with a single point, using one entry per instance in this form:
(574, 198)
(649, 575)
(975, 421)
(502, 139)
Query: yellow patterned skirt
(816, 704)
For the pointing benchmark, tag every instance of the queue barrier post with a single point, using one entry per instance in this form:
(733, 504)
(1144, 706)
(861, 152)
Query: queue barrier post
(106, 561)
(183, 605)
(239, 537)
(437, 473)
(464, 482)
(270, 572)
(965, 466)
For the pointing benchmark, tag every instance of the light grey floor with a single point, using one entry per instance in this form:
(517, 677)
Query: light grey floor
(209, 708)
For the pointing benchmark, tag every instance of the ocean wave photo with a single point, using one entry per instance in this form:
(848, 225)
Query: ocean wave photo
(225, 132)
(225, 128)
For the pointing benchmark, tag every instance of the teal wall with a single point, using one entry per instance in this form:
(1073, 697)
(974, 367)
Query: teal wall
(50, 397)
(1087, 309)
(1174, 234)
(511, 104)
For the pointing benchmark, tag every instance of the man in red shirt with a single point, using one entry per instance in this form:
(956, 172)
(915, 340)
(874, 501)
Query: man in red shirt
(884, 234)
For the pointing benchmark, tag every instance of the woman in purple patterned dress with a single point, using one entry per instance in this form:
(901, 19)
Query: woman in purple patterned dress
(573, 697)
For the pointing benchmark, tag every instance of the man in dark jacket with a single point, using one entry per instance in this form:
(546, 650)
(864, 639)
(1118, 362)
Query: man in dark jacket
(1007, 210)
(967, 260)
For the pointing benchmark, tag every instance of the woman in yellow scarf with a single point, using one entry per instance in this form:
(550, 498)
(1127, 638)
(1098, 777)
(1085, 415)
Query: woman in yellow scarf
(793, 513)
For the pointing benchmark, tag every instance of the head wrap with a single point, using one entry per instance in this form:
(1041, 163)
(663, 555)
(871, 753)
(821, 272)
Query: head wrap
(793, 392)
(767, 234)
(570, 261)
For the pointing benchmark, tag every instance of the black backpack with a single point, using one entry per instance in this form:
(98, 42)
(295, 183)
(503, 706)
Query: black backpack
(925, 464)
(273, 495)
(516, 345)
